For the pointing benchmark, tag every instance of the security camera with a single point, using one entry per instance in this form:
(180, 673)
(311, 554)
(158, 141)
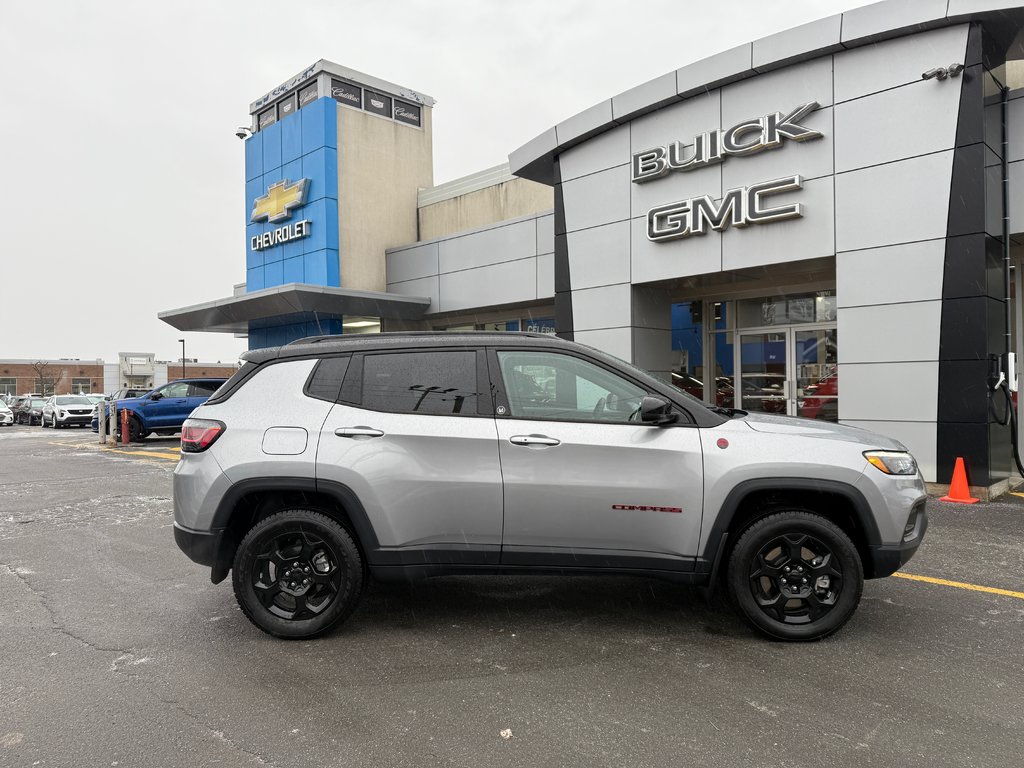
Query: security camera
(243, 133)
(939, 73)
(954, 69)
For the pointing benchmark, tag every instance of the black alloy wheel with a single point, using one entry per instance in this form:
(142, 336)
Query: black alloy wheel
(796, 576)
(297, 574)
(135, 431)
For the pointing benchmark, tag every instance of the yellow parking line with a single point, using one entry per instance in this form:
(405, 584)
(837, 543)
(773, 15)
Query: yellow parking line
(961, 585)
(154, 454)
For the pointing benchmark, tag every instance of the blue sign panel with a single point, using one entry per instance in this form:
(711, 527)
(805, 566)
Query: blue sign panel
(291, 200)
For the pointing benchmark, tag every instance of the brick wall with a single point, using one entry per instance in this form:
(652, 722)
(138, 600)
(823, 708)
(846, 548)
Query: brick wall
(63, 373)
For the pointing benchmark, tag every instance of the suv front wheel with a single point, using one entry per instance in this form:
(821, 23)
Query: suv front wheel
(795, 576)
(297, 574)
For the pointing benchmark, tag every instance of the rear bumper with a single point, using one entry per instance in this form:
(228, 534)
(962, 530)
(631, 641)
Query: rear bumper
(886, 559)
(200, 546)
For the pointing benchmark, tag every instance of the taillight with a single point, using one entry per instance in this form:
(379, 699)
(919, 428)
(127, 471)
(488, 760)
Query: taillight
(199, 434)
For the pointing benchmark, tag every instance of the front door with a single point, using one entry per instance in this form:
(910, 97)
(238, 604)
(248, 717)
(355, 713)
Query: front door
(584, 483)
(789, 371)
(167, 409)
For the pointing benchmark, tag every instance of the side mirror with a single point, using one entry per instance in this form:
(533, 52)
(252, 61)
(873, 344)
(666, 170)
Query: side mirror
(156, 396)
(654, 410)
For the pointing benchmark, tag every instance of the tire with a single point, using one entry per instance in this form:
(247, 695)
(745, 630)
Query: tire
(795, 550)
(135, 431)
(261, 573)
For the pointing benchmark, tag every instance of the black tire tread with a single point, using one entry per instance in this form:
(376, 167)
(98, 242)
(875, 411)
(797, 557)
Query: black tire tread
(808, 516)
(354, 584)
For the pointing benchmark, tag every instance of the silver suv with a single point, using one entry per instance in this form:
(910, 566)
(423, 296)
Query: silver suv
(411, 455)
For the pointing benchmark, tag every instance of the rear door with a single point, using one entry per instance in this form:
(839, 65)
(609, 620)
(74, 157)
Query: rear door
(584, 483)
(412, 435)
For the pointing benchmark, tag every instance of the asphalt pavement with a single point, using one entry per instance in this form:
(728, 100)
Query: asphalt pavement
(115, 650)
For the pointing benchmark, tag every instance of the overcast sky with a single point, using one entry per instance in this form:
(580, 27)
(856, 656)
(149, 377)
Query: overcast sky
(118, 120)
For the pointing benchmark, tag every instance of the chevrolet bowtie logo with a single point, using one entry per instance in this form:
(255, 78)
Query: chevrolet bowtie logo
(277, 204)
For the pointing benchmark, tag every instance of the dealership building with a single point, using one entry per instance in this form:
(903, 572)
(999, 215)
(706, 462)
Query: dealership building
(839, 203)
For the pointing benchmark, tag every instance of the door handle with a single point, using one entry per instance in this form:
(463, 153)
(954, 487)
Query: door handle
(540, 440)
(358, 432)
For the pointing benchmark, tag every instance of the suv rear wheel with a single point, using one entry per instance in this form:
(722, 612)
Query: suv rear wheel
(795, 576)
(297, 574)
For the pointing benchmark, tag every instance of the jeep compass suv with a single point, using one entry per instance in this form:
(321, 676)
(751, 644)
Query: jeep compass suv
(408, 455)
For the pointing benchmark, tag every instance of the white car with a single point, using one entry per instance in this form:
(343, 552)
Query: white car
(65, 410)
(6, 416)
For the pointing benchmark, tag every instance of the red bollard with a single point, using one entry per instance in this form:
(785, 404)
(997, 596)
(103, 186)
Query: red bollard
(124, 426)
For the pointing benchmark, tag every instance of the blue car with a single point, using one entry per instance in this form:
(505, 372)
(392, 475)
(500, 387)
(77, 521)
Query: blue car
(162, 410)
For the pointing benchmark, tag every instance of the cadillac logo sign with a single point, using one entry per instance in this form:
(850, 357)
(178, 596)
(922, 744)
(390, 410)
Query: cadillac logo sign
(277, 204)
(738, 207)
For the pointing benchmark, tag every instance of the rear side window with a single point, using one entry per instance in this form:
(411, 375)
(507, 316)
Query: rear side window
(203, 388)
(440, 383)
(325, 381)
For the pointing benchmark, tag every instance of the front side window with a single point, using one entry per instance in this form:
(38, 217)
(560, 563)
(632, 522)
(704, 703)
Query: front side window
(177, 389)
(441, 383)
(549, 385)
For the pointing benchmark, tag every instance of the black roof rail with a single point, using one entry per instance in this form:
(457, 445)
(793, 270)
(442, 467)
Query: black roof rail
(399, 334)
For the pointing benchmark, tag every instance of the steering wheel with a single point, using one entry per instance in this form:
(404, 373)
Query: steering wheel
(599, 407)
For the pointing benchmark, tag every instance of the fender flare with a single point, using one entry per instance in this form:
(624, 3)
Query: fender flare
(715, 548)
(342, 494)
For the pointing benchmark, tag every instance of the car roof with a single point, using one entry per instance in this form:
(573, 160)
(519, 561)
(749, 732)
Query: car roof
(319, 346)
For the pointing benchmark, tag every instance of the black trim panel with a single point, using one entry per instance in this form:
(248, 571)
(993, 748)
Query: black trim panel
(416, 572)
(708, 559)
(599, 559)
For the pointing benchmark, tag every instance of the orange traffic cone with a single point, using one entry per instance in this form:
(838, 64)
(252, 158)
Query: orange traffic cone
(958, 490)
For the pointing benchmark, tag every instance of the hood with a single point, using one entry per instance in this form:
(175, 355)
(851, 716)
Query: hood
(826, 430)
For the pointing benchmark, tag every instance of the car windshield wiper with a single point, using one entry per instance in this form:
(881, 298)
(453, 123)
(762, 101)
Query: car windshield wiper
(730, 412)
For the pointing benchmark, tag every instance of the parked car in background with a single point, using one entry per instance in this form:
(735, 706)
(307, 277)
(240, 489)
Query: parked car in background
(66, 410)
(6, 416)
(163, 410)
(691, 385)
(763, 392)
(29, 410)
(821, 400)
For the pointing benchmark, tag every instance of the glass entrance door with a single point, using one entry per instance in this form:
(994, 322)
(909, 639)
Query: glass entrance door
(790, 371)
(815, 373)
(761, 381)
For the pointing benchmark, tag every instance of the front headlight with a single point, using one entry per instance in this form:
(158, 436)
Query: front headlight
(62, 414)
(892, 462)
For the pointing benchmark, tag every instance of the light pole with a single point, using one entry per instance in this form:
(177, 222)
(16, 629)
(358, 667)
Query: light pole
(182, 357)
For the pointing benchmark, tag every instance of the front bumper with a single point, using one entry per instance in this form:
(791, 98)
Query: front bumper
(885, 559)
(7, 419)
(75, 418)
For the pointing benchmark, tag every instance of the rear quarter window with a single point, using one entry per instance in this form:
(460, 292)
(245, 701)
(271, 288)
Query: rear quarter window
(325, 381)
(224, 391)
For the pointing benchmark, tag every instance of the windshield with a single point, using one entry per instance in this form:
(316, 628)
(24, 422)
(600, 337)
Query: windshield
(73, 400)
(38, 403)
